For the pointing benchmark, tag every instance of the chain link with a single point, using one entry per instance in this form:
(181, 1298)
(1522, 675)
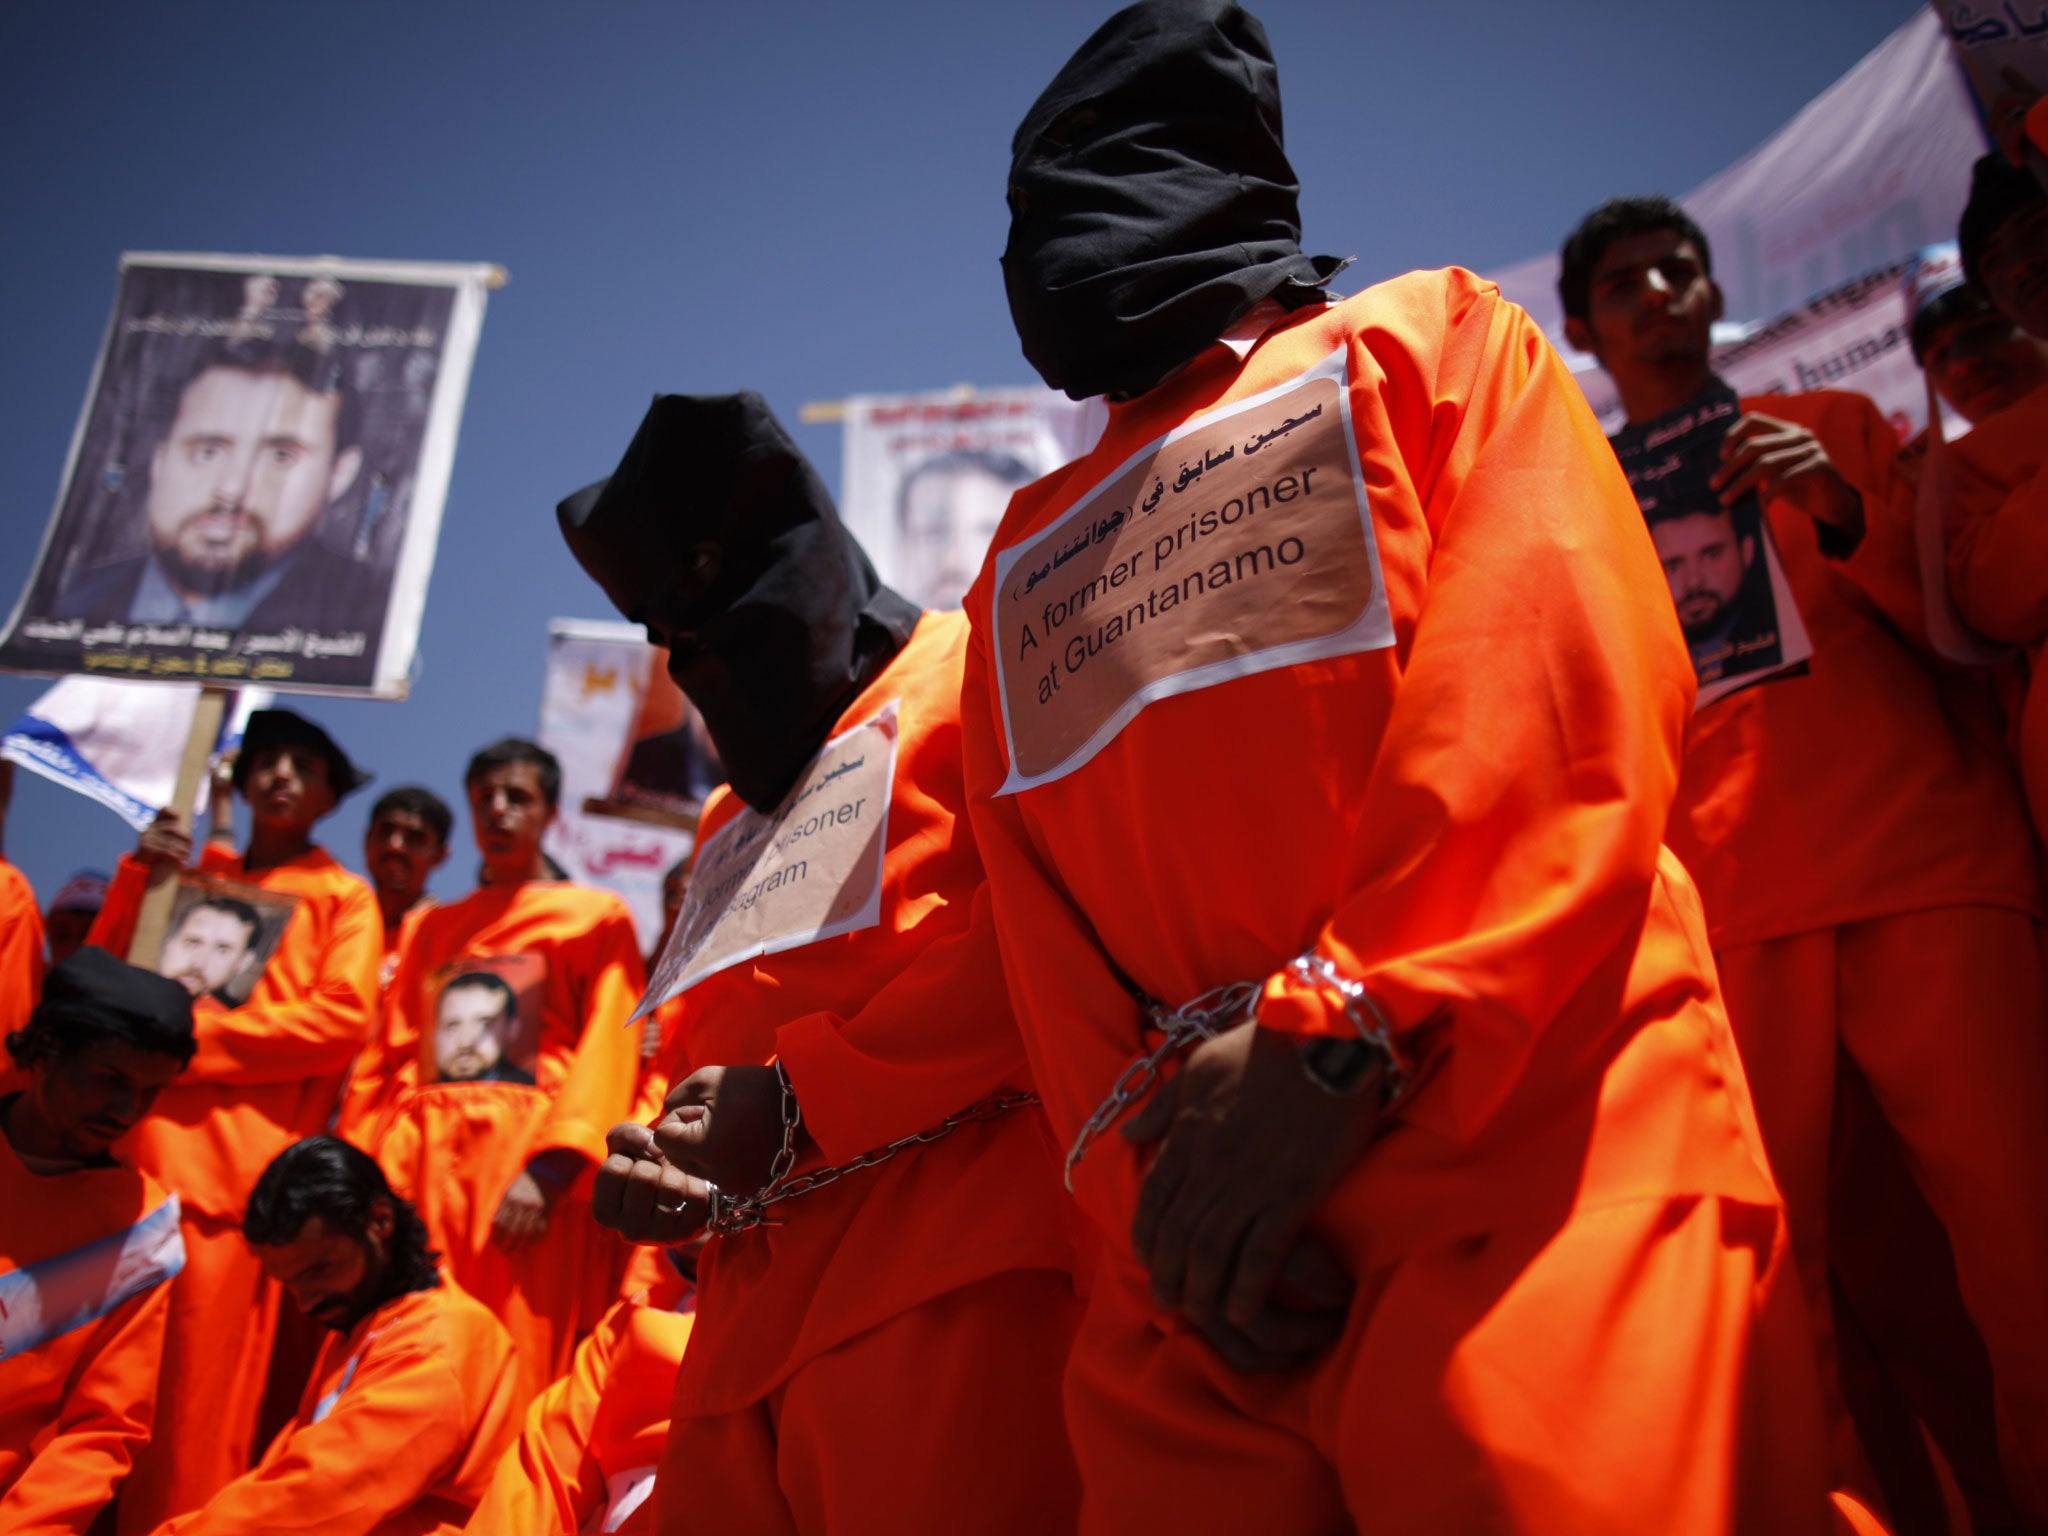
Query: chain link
(1201, 1018)
(730, 1214)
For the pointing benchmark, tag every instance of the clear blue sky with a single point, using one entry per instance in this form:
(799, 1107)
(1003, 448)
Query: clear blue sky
(803, 199)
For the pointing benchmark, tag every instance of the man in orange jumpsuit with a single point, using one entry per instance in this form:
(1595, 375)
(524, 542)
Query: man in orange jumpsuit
(21, 930)
(1321, 724)
(1998, 528)
(87, 1244)
(587, 1456)
(1868, 881)
(416, 1393)
(266, 1074)
(506, 1018)
(884, 1352)
(406, 841)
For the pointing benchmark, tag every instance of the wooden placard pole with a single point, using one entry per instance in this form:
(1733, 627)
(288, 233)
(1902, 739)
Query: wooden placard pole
(155, 918)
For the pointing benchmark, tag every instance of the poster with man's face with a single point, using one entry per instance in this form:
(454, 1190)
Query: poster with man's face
(1734, 604)
(222, 935)
(486, 1024)
(255, 487)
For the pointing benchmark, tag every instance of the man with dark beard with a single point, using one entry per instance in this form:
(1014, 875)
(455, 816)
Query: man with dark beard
(1321, 725)
(261, 443)
(416, 1391)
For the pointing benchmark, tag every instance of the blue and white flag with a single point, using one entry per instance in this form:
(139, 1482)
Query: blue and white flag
(118, 742)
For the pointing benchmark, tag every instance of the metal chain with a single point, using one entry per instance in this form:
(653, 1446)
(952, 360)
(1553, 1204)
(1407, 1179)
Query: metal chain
(1201, 1018)
(730, 1214)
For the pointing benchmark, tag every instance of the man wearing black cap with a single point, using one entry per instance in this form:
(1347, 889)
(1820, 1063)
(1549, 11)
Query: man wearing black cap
(1998, 524)
(1320, 729)
(80, 1337)
(887, 1349)
(266, 1074)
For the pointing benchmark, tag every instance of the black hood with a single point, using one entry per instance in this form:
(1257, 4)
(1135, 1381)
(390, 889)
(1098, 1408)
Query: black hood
(1151, 202)
(716, 533)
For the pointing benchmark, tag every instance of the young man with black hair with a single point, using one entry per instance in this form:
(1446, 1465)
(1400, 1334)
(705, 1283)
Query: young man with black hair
(415, 1394)
(1320, 726)
(266, 1074)
(499, 1167)
(1998, 514)
(81, 1337)
(1868, 879)
(405, 842)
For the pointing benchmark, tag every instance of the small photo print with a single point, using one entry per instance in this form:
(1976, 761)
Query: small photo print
(222, 935)
(487, 1019)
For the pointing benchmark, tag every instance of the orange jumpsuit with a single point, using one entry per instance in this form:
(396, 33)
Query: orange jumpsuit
(85, 1261)
(266, 1074)
(889, 1352)
(1870, 887)
(399, 1430)
(368, 1099)
(454, 1148)
(21, 949)
(586, 1459)
(1998, 558)
(1574, 1307)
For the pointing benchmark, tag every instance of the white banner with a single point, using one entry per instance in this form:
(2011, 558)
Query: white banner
(254, 489)
(119, 743)
(597, 682)
(1810, 231)
(925, 478)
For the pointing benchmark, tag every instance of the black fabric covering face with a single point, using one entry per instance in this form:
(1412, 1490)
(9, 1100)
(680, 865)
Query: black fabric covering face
(1151, 202)
(717, 535)
(91, 993)
(269, 728)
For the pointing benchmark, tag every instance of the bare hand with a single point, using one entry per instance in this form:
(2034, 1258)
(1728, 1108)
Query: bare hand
(723, 1124)
(641, 1197)
(165, 846)
(1249, 1149)
(1305, 1317)
(1777, 458)
(522, 1217)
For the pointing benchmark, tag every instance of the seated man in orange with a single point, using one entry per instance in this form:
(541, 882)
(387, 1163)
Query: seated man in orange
(1865, 866)
(87, 1245)
(1321, 724)
(415, 1394)
(266, 1073)
(506, 1019)
(838, 990)
(587, 1456)
(1998, 527)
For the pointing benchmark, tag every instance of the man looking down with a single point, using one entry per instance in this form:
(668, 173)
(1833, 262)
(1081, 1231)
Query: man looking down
(266, 1074)
(415, 1393)
(884, 1352)
(1445, 1210)
(88, 1245)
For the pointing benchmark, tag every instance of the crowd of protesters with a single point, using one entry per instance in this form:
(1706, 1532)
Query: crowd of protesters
(1375, 1059)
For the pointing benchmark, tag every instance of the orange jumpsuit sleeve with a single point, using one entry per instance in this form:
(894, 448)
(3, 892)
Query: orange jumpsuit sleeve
(1998, 562)
(1885, 565)
(937, 1038)
(390, 1439)
(549, 1483)
(21, 948)
(598, 1091)
(1485, 886)
(114, 927)
(106, 1414)
(272, 1040)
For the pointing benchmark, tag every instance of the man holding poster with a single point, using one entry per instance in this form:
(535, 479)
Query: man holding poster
(892, 1342)
(1868, 879)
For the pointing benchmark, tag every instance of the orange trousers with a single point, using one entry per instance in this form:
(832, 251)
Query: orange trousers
(1643, 1367)
(946, 1418)
(210, 1390)
(1945, 1015)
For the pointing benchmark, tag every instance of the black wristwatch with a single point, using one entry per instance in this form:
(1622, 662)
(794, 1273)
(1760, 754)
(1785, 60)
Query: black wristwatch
(1339, 1065)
